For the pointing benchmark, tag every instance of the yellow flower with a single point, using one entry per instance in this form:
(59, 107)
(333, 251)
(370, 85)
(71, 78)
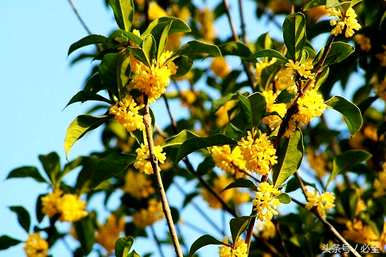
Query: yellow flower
(148, 216)
(50, 201)
(347, 21)
(240, 197)
(269, 230)
(153, 80)
(380, 183)
(182, 13)
(219, 184)
(310, 105)
(71, 208)
(322, 202)
(35, 246)
(222, 117)
(317, 162)
(382, 56)
(258, 152)
(126, 112)
(266, 202)
(138, 185)
(188, 97)
(155, 11)
(206, 19)
(278, 109)
(220, 67)
(363, 42)
(230, 161)
(285, 79)
(142, 162)
(260, 66)
(108, 233)
(238, 249)
(358, 232)
(304, 69)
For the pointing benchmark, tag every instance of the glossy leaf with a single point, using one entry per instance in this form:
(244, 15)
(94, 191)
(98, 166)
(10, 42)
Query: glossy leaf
(83, 96)
(241, 183)
(284, 198)
(270, 53)
(201, 242)
(123, 13)
(237, 49)
(123, 246)
(85, 231)
(7, 242)
(339, 51)
(294, 33)
(87, 40)
(351, 113)
(51, 165)
(290, 155)
(26, 172)
(199, 49)
(157, 26)
(238, 226)
(23, 217)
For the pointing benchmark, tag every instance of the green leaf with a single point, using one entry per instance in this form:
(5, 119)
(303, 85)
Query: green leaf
(123, 13)
(184, 64)
(351, 113)
(246, 109)
(7, 242)
(83, 96)
(198, 49)
(125, 36)
(294, 33)
(163, 40)
(196, 143)
(51, 165)
(123, 246)
(26, 172)
(290, 155)
(243, 183)
(157, 26)
(346, 161)
(23, 217)
(149, 48)
(237, 49)
(339, 51)
(238, 226)
(202, 242)
(179, 139)
(257, 102)
(284, 198)
(79, 127)
(87, 40)
(270, 53)
(85, 231)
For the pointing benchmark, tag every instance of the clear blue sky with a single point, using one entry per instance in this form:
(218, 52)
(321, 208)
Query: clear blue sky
(37, 81)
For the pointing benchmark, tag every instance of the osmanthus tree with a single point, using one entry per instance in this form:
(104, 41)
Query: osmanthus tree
(252, 139)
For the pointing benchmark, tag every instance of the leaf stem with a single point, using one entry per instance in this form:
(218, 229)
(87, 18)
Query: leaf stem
(154, 163)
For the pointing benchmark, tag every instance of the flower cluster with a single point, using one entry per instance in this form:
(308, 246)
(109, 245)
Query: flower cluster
(229, 160)
(152, 80)
(35, 246)
(238, 249)
(380, 183)
(276, 110)
(222, 116)
(361, 233)
(260, 66)
(69, 206)
(126, 112)
(347, 21)
(145, 217)
(138, 185)
(142, 162)
(303, 69)
(220, 67)
(108, 233)
(317, 162)
(266, 201)
(322, 202)
(258, 152)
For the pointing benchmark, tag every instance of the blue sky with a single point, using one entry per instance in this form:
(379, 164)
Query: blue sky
(37, 81)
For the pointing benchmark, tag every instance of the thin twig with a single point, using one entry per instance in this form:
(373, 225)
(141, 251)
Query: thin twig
(158, 243)
(76, 12)
(154, 163)
(242, 21)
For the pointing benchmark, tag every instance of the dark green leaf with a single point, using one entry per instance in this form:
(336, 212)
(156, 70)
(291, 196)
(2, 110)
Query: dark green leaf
(83, 96)
(242, 182)
(123, 246)
(201, 242)
(123, 13)
(23, 217)
(157, 26)
(346, 161)
(26, 172)
(290, 155)
(85, 231)
(351, 113)
(79, 127)
(198, 49)
(257, 102)
(238, 226)
(51, 165)
(237, 49)
(270, 53)
(294, 33)
(184, 64)
(87, 40)
(7, 242)
(339, 51)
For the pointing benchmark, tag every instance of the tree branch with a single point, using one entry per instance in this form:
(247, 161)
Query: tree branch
(77, 14)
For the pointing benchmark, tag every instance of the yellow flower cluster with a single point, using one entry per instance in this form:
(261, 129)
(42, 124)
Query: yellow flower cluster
(220, 67)
(126, 112)
(380, 183)
(206, 20)
(70, 207)
(347, 21)
(152, 80)
(266, 202)
(304, 69)
(148, 216)
(108, 233)
(222, 117)
(260, 66)
(269, 230)
(258, 152)
(229, 160)
(155, 11)
(35, 246)
(285, 79)
(317, 162)
(188, 97)
(358, 232)
(278, 109)
(322, 202)
(142, 162)
(238, 249)
(137, 185)
(363, 42)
